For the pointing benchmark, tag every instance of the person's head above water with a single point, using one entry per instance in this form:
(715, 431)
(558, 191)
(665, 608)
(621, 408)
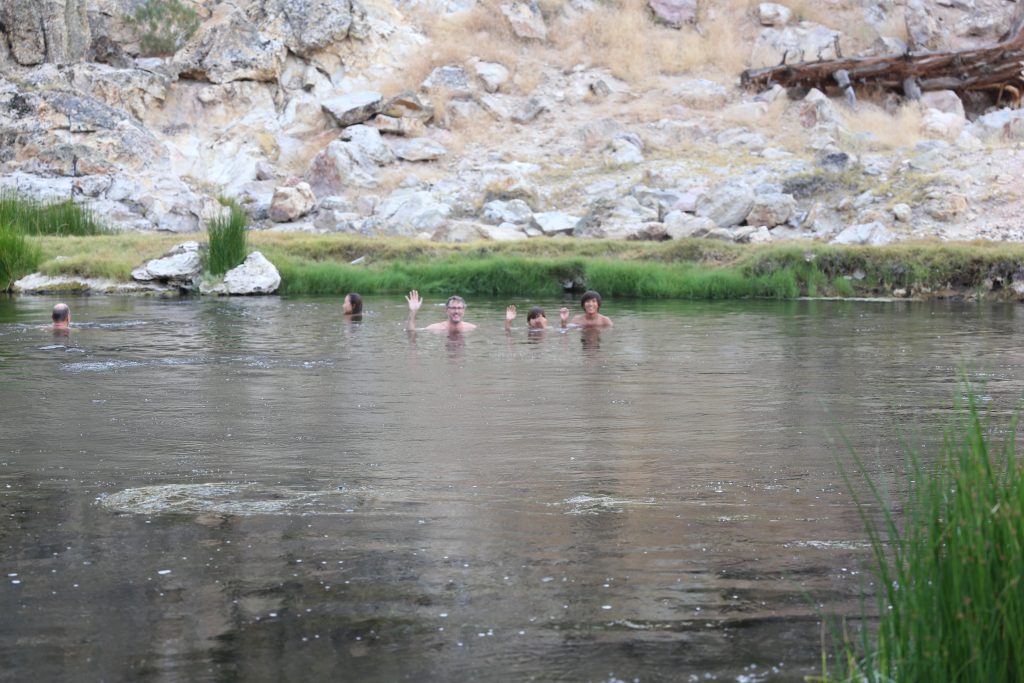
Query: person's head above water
(353, 304)
(455, 307)
(61, 315)
(536, 319)
(590, 295)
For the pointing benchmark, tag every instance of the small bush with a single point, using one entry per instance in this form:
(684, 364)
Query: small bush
(228, 246)
(163, 26)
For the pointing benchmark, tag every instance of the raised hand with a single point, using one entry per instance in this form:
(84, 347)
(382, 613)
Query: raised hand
(510, 313)
(414, 301)
(563, 315)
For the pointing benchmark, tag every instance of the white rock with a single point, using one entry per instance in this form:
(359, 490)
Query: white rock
(942, 125)
(679, 225)
(421, 149)
(773, 14)
(771, 209)
(406, 214)
(256, 275)
(555, 222)
(354, 107)
(873, 234)
(526, 20)
(491, 74)
(291, 202)
(727, 204)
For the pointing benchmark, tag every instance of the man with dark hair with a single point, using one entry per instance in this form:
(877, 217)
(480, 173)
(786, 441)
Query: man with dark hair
(591, 316)
(61, 316)
(455, 308)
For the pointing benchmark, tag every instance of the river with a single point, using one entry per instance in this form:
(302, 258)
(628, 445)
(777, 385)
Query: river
(259, 490)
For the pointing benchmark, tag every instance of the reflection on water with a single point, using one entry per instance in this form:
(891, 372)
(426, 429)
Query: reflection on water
(258, 489)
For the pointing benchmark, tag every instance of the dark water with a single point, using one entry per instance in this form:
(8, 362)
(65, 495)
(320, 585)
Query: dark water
(257, 490)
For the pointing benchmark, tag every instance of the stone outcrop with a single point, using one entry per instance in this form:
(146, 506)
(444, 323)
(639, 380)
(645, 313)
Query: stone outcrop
(180, 267)
(256, 275)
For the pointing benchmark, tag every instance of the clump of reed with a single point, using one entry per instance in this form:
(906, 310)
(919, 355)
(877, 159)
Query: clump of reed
(949, 565)
(34, 217)
(21, 218)
(227, 240)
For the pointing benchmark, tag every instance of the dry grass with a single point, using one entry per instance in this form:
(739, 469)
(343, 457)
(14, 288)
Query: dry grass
(892, 131)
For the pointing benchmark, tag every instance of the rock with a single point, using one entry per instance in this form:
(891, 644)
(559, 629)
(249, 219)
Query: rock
(723, 234)
(354, 107)
(751, 235)
(256, 275)
(451, 78)
(291, 202)
(942, 125)
(526, 20)
(887, 45)
(835, 162)
(491, 74)
(179, 267)
(393, 126)
(872, 234)
(366, 147)
(806, 43)
(555, 222)
(506, 232)
(700, 93)
(230, 47)
(608, 219)
(675, 13)
(421, 149)
(54, 32)
(680, 225)
(921, 26)
(307, 27)
(772, 14)
(514, 211)
(728, 204)
(407, 105)
(771, 209)
(623, 152)
(458, 232)
(818, 112)
(1003, 124)
(529, 110)
(946, 207)
(902, 213)
(945, 101)
(661, 201)
(408, 213)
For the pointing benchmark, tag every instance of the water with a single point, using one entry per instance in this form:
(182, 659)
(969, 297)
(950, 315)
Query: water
(255, 489)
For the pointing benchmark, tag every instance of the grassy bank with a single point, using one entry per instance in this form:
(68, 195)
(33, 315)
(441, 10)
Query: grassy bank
(689, 269)
(949, 564)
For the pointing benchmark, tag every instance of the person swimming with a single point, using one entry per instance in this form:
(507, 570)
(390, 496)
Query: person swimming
(455, 308)
(591, 316)
(536, 319)
(352, 305)
(61, 316)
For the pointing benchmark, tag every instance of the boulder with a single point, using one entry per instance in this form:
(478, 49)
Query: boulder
(942, 125)
(179, 267)
(674, 13)
(451, 78)
(873, 234)
(773, 14)
(514, 211)
(554, 222)
(458, 232)
(421, 149)
(354, 107)
(526, 20)
(407, 105)
(309, 26)
(506, 232)
(680, 225)
(230, 47)
(608, 219)
(805, 43)
(55, 31)
(256, 275)
(944, 100)
(727, 204)
(1003, 124)
(818, 112)
(491, 74)
(623, 152)
(291, 201)
(771, 209)
(408, 213)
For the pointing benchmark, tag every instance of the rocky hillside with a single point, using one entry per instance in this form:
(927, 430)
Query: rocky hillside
(455, 120)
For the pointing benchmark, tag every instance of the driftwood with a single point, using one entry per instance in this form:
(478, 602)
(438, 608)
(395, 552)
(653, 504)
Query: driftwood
(999, 67)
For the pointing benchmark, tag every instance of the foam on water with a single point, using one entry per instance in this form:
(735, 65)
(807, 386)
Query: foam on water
(584, 504)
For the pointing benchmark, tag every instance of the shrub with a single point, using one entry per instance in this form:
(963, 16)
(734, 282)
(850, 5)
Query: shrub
(33, 217)
(227, 240)
(163, 26)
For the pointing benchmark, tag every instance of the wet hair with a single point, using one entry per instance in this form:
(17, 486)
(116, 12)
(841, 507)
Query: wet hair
(61, 313)
(588, 295)
(455, 297)
(356, 301)
(535, 312)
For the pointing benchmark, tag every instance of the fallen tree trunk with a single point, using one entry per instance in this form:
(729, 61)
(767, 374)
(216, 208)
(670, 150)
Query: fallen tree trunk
(1000, 66)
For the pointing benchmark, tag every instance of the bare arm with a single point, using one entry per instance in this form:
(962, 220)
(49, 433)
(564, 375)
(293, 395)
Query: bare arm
(414, 305)
(510, 315)
(563, 315)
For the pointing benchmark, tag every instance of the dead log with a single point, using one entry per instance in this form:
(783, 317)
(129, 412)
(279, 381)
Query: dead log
(998, 67)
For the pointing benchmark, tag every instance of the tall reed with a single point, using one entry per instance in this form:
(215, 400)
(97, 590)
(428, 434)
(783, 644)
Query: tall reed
(34, 217)
(949, 567)
(227, 240)
(18, 256)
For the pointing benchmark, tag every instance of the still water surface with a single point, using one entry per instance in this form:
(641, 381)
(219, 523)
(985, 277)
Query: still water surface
(258, 490)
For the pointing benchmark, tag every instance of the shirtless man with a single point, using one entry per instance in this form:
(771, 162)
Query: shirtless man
(455, 308)
(61, 317)
(591, 316)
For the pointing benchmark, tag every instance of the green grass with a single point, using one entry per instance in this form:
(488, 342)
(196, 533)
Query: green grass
(949, 565)
(227, 246)
(689, 269)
